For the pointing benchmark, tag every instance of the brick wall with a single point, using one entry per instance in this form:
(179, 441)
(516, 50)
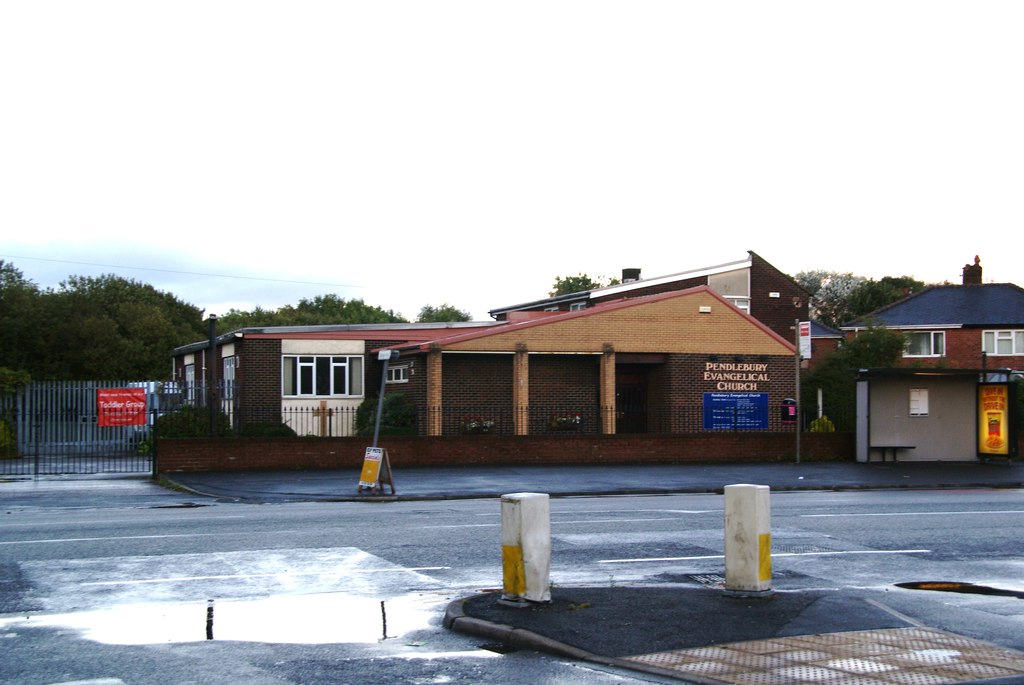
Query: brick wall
(239, 454)
(778, 313)
(259, 378)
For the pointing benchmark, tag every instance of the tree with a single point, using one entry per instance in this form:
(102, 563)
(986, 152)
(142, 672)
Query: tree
(442, 314)
(838, 298)
(19, 314)
(321, 310)
(873, 347)
(579, 283)
(830, 294)
(871, 294)
(109, 327)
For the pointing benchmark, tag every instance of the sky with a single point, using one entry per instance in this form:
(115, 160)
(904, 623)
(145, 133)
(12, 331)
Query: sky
(252, 154)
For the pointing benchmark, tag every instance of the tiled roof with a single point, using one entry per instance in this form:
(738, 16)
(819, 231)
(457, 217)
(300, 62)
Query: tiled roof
(990, 304)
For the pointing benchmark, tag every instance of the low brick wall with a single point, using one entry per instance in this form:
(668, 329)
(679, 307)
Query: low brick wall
(281, 454)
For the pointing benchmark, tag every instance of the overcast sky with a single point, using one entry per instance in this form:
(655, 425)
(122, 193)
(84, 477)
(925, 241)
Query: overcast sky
(243, 154)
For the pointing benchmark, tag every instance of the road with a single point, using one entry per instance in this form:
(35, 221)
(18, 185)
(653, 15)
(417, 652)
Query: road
(143, 585)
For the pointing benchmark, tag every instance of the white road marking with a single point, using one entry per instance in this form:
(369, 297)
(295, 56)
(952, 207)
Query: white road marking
(286, 574)
(913, 513)
(113, 537)
(782, 554)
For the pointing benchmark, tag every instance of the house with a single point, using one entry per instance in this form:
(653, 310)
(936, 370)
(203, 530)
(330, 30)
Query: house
(752, 285)
(677, 361)
(973, 325)
(824, 341)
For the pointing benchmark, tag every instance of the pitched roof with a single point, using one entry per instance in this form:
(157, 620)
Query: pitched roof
(622, 288)
(990, 304)
(679, 321)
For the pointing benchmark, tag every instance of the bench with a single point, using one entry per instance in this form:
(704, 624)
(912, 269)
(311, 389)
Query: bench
(885, 449)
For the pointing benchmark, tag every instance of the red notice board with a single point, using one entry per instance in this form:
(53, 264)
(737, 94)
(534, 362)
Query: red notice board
(121, 407)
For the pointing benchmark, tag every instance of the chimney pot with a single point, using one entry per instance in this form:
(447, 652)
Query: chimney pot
(972, 273)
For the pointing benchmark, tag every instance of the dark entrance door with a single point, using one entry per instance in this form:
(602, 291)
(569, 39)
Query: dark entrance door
(630, 403)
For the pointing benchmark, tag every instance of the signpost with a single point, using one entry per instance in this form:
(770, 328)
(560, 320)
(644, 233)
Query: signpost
(376, 466)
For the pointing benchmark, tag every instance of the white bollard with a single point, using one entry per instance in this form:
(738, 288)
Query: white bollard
(526, 547)
(748, 556)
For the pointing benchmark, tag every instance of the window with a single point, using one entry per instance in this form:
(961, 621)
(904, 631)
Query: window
(742, 303)
(1003, 342)
(918, 402)
(190, 383)
(925, 344)
(577, 306)
(230, 364)
(322, 376)
(398, 374)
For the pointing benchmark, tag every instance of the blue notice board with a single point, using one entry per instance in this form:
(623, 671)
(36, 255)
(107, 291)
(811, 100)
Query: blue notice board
(735, 411)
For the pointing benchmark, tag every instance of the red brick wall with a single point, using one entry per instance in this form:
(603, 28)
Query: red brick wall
(778, 313)
(259, 378)
(239, 454)
(564, 384)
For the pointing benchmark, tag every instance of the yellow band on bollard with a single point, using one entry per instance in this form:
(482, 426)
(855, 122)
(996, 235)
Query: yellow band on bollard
(764, 556)
(514, 571)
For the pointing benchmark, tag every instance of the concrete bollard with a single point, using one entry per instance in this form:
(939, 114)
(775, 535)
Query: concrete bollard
(748, 556)
(526, 547)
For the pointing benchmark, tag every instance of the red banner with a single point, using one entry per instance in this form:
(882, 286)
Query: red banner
(121, 407)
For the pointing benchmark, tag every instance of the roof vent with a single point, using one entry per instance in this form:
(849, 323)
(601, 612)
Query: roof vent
(630, 275)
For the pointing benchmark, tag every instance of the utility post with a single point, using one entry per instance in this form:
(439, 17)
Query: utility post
(211, 375)
(797, 354)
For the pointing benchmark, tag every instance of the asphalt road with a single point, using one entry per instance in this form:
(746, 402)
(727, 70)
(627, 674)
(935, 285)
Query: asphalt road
(114, 582)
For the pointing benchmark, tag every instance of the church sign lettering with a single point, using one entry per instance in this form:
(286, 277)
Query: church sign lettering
(736, 376)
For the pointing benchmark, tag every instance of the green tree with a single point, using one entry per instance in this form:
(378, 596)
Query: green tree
(19, 319)
(443, 314)
(835, 376)
(110, 327)
(321, 310)
(871, 295)
(579, 283)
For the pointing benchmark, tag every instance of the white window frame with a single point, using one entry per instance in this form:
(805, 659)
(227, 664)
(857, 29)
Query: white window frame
(990, 342)
(230, 364)
(398, 373)
(191, 391)
(302, 375)
(935, 336)
(918, 402)
(741, 303)
(577, 306)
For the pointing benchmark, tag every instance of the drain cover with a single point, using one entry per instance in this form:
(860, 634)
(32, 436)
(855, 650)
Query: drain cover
(966, 588)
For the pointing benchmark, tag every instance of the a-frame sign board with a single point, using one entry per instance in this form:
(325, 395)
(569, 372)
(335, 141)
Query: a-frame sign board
(376, 471)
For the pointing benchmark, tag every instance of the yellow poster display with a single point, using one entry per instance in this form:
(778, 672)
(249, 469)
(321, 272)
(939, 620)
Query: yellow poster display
(376, 470)
(993, 417)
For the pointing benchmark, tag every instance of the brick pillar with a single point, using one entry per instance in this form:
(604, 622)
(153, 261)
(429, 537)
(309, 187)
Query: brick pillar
(521, 391)
(435, 397)
(607, 382)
